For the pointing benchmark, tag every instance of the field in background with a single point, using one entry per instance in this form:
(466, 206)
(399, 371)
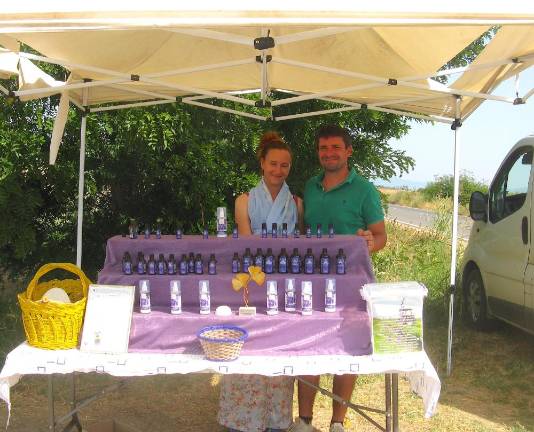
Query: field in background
(491, 388)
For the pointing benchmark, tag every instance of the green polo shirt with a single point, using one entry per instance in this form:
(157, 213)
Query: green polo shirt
(351, 205)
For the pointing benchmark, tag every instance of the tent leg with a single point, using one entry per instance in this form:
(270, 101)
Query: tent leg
(81, 182)
(51, 414)
(456, 127)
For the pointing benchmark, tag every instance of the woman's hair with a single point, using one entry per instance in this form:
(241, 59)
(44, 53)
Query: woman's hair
(269, 141)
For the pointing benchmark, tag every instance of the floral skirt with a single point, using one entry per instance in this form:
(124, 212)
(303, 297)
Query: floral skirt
(253, 403)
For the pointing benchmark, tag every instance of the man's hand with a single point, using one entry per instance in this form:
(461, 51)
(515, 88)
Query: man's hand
(369, 238)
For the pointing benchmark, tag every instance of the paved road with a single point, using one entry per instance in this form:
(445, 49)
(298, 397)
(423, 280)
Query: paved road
(425, 219)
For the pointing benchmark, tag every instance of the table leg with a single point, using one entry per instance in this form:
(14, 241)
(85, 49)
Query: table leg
(388, 402)
(51, 417)
(395, 401)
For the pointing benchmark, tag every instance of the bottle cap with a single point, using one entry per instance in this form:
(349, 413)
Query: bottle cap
(204, 286)
(221, 212)
(290, 284)
(272, 287)
(175, 285)
(144, 286)
(330, 284)
(306, 287)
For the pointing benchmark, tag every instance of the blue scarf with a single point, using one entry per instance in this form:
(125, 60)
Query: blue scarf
(262, 208)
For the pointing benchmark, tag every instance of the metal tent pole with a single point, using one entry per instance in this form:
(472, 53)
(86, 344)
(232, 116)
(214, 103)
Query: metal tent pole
(81, 180)
(456, 127)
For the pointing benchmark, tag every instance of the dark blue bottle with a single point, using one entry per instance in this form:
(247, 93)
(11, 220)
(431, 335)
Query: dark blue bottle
(161, 265)
(151, 265)
(171, 265)
(341, 262)
(212, 265)
(296, 232)
(247, 260)
(319, 230)
(274, 230)
(236, 264)
(199, 266)
(284, 230)
(269, 261)
(127, 263)
(330, 230)
(264, 230)
(309, 262)
(282, 261)
(183, 265)
(259, 260)
(191, 263)
(308, 231)
(295, 261)
(235, 233)
(158, 232)
(324, 262)
(178, 233)
(141, 263)
(147, 232)
(205, 233)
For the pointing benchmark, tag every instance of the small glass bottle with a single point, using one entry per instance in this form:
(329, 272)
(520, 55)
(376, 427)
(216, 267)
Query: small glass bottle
(309, 262)
(269, 261)
(247, 260)
(147, 232)
(259, 260)
(264, 230)
(171, 265)
(296, 232)
(204, 296)
(205, 233)
(235, 232)
(183, 265)
(199, 265)
(272, 298)
(144, 296)
(308, 231)
(191, 263)
(274, 230)
(283, 261)
(236, 263)
(178, 233)
(330, 295)
(331, 230)
(221, 222)
(306, 298)
(176, 297)
(295, 262)
(132, 229)
(158, 229)
(212, 265)
(127, 263)
(141, 263)
(341, 262)
(284, 230)
(324, 265)
(290, 296)
(319, 230)
(161, 265)
(151, 265)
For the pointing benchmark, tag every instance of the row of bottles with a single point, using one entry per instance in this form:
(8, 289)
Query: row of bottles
(294, 263)
(290, 303)
(193, 264)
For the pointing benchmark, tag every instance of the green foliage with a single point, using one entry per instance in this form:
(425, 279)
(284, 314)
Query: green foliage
(443, 187)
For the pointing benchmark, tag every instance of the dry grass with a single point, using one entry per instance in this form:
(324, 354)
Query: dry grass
(416, 199)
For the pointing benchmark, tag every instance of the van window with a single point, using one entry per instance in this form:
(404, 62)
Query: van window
(509, 189)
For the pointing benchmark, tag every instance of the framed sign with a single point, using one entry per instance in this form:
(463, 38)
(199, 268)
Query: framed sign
(108, 316)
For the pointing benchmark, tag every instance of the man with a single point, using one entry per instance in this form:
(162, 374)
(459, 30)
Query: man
(342, 197)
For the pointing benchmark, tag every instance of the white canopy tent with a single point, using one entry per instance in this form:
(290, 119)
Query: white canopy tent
(380, 57)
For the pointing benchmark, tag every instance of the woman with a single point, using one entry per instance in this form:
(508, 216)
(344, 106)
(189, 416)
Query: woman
(255, 403)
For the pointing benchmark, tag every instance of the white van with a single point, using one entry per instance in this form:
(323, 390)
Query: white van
(498, 264)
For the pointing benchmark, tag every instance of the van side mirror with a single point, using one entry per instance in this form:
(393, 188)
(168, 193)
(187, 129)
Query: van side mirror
(478, 204)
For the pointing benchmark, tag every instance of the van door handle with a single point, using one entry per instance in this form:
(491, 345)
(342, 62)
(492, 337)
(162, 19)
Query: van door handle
(524, 230)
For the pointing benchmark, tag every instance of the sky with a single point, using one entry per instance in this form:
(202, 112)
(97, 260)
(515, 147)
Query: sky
(485, 137)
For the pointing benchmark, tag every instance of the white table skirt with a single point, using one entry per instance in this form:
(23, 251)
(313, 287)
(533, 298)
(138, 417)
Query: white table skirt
(27, 360)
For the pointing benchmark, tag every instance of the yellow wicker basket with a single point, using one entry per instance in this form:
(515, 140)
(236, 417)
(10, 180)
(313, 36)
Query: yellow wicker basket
(53, 325)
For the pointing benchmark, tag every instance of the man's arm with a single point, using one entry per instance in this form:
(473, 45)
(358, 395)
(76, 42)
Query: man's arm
(375, 235)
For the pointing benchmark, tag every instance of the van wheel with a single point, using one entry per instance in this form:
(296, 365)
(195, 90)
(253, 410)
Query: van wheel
(476, 311)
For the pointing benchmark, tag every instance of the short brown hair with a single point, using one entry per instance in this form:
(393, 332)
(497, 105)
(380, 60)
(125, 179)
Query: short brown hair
(328, 131)
(269, 141)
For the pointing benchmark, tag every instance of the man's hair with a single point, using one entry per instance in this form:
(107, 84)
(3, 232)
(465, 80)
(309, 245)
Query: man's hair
(328, 131)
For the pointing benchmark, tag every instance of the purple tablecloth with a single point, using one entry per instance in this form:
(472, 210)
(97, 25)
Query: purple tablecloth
(346, 331)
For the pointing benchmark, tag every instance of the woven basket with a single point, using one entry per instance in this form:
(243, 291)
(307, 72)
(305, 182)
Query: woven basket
(53, 325)
(222, 342)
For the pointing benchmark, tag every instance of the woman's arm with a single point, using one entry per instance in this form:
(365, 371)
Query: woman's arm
(241, 215)
(300, 211)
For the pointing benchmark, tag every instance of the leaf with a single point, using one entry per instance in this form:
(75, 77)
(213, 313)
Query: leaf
(257, 275)
(240, 281)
